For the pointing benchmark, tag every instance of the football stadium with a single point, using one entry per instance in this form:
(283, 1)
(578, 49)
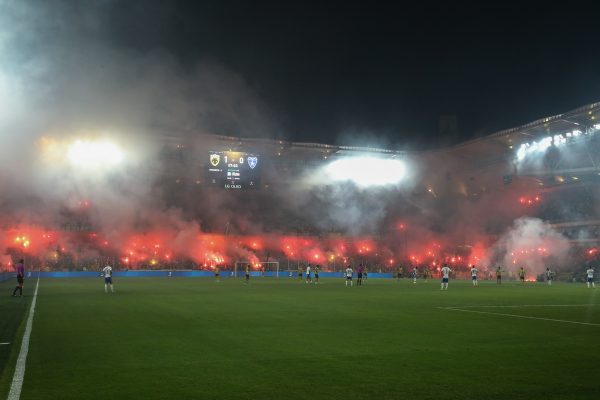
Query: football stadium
(265, 200)
(230, 263)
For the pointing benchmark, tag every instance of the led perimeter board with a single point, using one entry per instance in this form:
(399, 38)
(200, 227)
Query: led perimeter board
(234, 169)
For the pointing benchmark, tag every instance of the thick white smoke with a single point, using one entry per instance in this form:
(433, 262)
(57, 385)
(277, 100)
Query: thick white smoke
(63, 76)
(530, 243)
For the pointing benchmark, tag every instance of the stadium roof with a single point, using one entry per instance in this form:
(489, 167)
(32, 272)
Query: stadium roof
(488, 151)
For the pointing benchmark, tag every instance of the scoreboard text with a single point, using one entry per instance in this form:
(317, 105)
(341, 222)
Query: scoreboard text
(234, 169)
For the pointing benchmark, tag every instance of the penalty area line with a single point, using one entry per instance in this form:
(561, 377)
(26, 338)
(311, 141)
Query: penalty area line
(519, 316)
(17, 381)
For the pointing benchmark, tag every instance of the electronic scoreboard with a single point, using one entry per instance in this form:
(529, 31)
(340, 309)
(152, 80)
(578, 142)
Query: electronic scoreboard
(234, 169)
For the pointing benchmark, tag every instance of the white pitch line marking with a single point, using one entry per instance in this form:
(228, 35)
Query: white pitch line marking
(4, 344)
(528, 305)
(17, 381)
(520, 316)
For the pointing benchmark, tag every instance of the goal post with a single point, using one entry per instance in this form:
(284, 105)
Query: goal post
(265, 268)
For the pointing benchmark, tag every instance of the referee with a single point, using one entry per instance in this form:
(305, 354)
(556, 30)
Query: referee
(20, 278)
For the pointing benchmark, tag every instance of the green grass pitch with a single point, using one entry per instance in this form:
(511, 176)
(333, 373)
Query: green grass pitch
(174, 338)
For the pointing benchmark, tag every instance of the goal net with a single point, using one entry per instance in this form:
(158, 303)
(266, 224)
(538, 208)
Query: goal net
(264, 268)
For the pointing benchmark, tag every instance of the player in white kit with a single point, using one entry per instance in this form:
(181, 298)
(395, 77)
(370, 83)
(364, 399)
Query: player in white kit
(549, 274)
(474, 271)
(348, 274)
(107, 272)
(590, 277)
(445, 276)
(308, 277)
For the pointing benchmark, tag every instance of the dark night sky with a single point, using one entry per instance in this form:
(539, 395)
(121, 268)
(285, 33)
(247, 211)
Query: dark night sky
(383, 71)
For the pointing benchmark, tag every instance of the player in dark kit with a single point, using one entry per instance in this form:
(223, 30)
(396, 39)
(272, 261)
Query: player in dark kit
(247, 274)
(360, 271)
(20, 278)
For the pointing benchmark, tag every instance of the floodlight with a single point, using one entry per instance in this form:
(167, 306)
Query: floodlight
(94, 154)
(366, 171)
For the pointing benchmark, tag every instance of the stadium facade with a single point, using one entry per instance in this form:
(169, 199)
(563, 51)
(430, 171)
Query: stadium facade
(456, 204)
(561, 175)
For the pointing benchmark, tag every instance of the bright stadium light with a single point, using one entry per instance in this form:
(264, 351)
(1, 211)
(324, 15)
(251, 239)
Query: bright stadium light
(557, 140)
(522, 152)
(366, 171)
(94, 154)
(544, 144)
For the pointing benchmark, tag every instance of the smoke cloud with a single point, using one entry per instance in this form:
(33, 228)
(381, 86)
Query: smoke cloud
(533, 244)
(65, 76)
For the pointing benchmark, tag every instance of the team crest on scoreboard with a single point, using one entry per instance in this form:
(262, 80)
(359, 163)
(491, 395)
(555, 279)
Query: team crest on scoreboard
(252, 161)
(215, 159)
